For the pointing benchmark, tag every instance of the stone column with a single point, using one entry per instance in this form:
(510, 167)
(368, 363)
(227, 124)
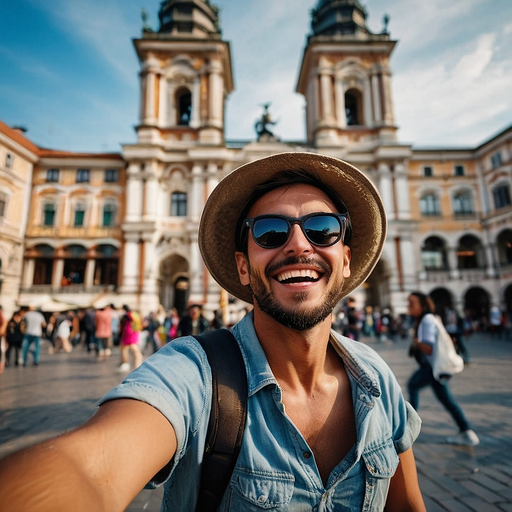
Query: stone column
(326, 95)
(340, 104)
(150, 279)
(196, 269)
(133, 195)
(195, 118)
(149, 114)
(196, 193)
(28, 273)
(386, 189)
(367, 104)
(389, 117)
(377, 108)
(131, 263)
(90, 267)
(453, 262)
(58, 272)
(402, 193)
(151, 197)
(216, 94)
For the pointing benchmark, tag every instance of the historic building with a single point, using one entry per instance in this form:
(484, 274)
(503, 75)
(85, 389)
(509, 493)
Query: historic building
(123, 228)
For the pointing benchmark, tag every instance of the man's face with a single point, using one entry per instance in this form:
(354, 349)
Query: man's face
(298, 284)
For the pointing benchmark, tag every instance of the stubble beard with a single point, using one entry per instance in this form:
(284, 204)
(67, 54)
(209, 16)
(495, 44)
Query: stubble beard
(293, 317)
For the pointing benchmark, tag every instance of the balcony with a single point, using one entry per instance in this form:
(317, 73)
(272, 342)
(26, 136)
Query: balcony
(71, 289)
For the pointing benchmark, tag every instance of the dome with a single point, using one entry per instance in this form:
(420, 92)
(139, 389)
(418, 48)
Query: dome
(339, 17)
(189, 18)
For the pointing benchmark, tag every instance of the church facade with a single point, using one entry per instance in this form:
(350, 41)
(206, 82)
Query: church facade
(135, 242)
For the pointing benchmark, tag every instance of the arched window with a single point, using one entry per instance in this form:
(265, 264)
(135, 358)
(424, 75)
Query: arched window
(109, 215)
(179, 204)
(433, 254)
(183, 106)
(504, 247)
(3, 204)
(429, 204)
(353, 107)
(470, 252)
(43, 268)
(107, 265)
(75, 260)
(79, 215)
(462, 202)
(49, 214)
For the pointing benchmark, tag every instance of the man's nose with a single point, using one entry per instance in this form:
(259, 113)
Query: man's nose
(297, 242)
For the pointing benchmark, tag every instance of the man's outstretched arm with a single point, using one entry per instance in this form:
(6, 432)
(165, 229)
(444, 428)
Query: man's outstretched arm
(101, 466)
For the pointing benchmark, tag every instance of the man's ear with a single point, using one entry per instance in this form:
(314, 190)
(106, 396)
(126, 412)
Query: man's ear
(242, 266)
(347, 256)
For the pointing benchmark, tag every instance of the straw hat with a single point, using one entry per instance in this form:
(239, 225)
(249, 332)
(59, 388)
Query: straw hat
(228, 199)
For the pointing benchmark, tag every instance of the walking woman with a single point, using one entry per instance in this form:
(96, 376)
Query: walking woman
(421, 308)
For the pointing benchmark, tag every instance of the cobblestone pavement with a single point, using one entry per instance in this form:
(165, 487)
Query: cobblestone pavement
(39, 402)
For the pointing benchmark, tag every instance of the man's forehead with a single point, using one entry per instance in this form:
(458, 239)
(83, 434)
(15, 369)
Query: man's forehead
(292, 194)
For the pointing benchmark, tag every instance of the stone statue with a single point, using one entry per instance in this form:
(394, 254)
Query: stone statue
(144, 15)
(261, 126)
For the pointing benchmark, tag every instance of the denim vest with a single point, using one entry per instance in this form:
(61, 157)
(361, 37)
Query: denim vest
(276, 469)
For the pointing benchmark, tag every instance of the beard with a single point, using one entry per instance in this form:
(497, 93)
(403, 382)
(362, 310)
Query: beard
(291, 316)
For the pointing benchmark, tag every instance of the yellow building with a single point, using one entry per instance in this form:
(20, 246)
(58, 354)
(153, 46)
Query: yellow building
(17, 158)
(449, 209)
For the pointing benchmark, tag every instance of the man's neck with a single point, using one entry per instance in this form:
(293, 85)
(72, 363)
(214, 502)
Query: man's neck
(297, 358)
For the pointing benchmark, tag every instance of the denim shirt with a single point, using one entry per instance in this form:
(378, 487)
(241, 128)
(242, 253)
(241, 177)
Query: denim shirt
(276, 469)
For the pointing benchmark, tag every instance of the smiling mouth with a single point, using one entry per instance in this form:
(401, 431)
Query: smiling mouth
(298, 276)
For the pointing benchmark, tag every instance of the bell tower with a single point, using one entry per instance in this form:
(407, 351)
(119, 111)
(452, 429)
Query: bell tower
(345, 77)
(185, 75)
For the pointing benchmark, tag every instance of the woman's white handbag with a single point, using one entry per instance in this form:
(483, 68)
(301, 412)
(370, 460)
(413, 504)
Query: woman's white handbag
(446, 360)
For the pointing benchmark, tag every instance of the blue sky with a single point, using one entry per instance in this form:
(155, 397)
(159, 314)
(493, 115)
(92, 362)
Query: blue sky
(69, 72)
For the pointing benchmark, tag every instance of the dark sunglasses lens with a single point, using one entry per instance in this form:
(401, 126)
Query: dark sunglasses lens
(270, 232)
(322, 229)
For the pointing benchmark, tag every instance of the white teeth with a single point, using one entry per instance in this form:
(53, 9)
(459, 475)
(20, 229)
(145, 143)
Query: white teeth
(291, 274)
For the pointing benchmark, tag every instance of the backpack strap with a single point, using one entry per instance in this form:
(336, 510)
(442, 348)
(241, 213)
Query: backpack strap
(227, 417)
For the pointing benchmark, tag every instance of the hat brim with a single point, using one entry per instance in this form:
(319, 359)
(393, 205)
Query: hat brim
(228, 199)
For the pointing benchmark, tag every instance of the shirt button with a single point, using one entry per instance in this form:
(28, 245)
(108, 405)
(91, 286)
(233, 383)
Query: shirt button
(307, 455)
(262, 499)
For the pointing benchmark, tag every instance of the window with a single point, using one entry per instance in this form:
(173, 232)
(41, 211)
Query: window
(501, 196)
(111, 176)
(48, 214)
(3, 204)
(470, 253)
(496, 160)
(109, 215)
(429, 205)
(82, 176)
(79, 215)
(462, 203)
(428, 171)
(353, 105)
(52, 175)
(179, 204)
(8, 160)
(433, 254)
(184, 104)
(458, 170)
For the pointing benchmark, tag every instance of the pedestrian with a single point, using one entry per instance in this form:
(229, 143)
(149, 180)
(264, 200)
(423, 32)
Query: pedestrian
(327, 426)
(150, 326)
(34, 323)
(454, 325)
(116, 321)
(89, 331)
(421, 308)
(62, 333)
(171, 324)
(130, 327)
(14, 337)
(3, 341)
(218, 320)
(103, 330)
(193, 322)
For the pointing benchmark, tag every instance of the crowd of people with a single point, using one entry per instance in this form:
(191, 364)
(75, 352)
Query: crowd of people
(97, 330)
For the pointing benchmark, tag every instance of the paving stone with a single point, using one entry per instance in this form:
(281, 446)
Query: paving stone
(40, 402)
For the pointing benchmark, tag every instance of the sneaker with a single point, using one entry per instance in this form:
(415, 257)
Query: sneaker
(125, 367)
(466, 438)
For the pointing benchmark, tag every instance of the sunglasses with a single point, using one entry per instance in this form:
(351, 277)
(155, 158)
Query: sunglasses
(320, 229)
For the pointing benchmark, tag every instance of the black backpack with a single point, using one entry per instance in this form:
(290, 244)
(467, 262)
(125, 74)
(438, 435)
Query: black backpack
(227, 417)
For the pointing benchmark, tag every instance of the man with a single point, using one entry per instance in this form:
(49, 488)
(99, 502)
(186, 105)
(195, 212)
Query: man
(193, 322)
(327, 426)
(34, 323)
(103, 330)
